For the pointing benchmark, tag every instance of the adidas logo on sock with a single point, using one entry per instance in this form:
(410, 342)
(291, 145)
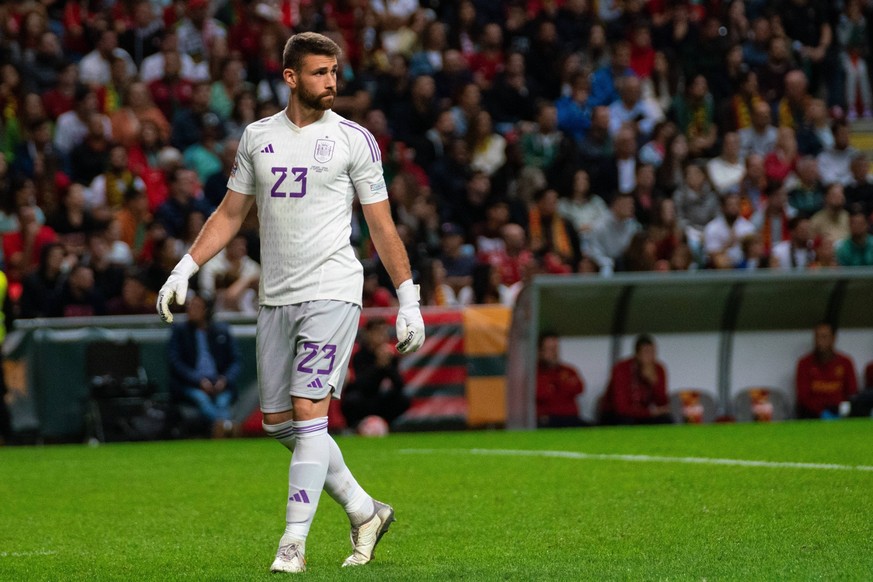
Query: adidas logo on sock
(268, 149)
(315, 384)
(299, 497)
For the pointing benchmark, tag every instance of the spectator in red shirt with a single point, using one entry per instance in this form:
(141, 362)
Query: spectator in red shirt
(825, 377)
(22, 248)
(558, 385)
(637, 390)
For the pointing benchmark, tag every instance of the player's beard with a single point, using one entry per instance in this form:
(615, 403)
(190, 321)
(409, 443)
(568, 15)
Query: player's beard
(319, 102)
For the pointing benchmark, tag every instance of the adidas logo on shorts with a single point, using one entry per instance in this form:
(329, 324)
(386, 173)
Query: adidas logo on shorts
(315, 384)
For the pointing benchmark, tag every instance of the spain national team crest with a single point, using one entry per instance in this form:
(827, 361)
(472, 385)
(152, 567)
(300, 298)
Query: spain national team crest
(323, 150)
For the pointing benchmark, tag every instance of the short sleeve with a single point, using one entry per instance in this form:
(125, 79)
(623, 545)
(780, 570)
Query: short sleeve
(242, 174)
(365, 164)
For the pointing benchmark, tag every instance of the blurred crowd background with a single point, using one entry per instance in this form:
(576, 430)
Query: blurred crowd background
(518, 137)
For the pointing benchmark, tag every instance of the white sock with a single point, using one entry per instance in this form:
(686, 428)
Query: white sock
(306, 476)
(339, 483)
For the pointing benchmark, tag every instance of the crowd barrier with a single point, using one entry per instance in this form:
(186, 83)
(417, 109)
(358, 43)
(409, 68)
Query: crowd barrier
(456, 380)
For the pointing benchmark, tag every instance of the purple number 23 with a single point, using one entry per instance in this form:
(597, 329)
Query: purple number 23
(312, 350)
(298, 186)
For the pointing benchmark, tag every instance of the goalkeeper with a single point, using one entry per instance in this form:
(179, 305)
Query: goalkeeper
(304, 167)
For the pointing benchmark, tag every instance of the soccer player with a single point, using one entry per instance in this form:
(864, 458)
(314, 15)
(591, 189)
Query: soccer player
(304, 166)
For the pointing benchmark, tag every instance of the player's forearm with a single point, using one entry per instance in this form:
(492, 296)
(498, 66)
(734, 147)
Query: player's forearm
(387, 242)
(393, 255)
(224, 223)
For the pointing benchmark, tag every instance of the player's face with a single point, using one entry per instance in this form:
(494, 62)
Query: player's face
(315, 83)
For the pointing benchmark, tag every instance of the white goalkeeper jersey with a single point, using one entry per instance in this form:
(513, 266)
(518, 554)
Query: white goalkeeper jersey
(305, 180)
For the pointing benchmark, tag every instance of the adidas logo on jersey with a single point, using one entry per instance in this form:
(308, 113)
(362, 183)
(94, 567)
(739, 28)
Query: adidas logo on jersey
(268, 149)
(315, 384)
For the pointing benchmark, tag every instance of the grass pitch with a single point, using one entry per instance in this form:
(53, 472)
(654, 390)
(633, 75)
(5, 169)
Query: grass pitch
(469, 506)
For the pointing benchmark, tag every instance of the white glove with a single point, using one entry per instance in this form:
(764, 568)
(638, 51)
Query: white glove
(176, 287)
(410, 325)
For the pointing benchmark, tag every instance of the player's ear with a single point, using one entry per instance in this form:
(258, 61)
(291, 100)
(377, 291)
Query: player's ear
(290, 76)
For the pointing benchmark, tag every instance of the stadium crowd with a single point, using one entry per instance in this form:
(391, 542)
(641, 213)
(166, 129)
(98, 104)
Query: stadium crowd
(518, 137)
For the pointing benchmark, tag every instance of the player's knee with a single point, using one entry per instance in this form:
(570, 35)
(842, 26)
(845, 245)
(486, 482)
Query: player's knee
(282, 432)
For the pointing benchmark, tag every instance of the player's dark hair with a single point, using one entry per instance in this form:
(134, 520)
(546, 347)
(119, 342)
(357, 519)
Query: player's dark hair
(307, 43)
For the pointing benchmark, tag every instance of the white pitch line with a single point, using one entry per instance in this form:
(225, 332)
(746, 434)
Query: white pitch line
(27, 554)
(644, 459)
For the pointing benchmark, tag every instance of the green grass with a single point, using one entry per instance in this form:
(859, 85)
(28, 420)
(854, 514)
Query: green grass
(215, 510)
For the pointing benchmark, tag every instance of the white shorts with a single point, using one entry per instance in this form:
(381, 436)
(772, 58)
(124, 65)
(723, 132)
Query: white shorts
(304, 350)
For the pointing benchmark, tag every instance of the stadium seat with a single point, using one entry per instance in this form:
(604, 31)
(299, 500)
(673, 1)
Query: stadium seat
(692, 406)
(761, 404)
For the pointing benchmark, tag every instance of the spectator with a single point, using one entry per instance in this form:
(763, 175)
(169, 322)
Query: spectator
(760, 136)
(188, 121)
(231, 278)
(694, 113)
(199, 35)
(741, 105)
(138, 109)
(205, 364)
(807, 195)
(834, 163)
(604, 81)
(655, 151)
(90, 158)
(204, 157)
(771, 219)
(771, 75)
(860, 189)
(377, 388)
(620, 175)
(511, 98)
(797, 252)
(723, 234)
(487, 148)
(73, 222)
(95, 66)
(40, 288)
(825, 378)
(78, 297)
(457, 263)
(814, 134)
(780, 163)
(641, 254)
(696, 203)
(832, 220)
(74, 125)
(857, 250)
(558, 387)
(108, 277)
(22, 248)
(596, 151)
(61, 98)
(807, 24)
(632, 109)
(637, 389)
(135, 298)
(611, 237)
(582, 208)
(143, 38)
(35, 157)
(108, 189)
(854, 42)
(547, 148)
(183, 200)
(551, 235)
(791, 109)
(664, 230)
(726, 171)
(171, 91)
